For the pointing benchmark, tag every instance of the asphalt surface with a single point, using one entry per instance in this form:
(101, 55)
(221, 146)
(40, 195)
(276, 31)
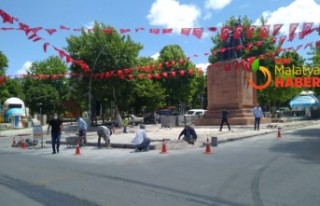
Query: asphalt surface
(264, 170)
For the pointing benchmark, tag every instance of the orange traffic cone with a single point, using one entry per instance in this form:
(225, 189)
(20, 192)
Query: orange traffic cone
(23, 144)
(77, 149)
(208, 148)
(164, 148)
(14, 142)
(279, 133)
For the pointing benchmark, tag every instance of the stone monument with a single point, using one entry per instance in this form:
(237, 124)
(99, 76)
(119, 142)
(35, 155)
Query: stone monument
(228, 87)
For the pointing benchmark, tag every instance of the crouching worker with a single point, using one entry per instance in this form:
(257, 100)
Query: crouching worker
(189, 134)
(141, 141)
(105, 133)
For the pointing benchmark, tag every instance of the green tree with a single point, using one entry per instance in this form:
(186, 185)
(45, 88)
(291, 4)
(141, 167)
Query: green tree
(3, 63)
(181, 90)
(47, 84)
(103, 53)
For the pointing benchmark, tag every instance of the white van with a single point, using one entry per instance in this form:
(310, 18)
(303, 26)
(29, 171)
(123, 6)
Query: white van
(195, 112)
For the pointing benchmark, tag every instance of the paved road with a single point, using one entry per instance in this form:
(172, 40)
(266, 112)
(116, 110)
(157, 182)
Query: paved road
(257, 171)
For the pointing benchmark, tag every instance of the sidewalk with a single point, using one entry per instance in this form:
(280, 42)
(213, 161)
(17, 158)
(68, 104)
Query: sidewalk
(158, 134)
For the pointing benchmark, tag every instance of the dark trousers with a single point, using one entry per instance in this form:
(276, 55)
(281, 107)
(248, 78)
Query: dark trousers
(55, 139)
(124, 129)
(257, 123)
(144, 146)
(224, 121)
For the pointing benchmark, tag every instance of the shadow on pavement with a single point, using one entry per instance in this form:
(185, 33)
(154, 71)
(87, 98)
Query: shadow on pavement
(304, 144)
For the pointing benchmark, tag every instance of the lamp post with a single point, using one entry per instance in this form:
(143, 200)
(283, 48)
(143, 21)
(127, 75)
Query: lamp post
(40, 104)
(90, 86)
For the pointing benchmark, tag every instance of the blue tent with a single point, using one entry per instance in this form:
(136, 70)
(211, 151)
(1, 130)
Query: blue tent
(13, 112)
(304, 100)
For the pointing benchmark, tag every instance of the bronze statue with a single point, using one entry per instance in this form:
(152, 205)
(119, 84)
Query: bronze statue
(232, 45)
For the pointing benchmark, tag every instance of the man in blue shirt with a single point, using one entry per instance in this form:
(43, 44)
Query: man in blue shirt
(257, 113)
(82, 125)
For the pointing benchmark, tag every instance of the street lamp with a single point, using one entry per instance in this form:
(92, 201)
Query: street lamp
(40, 104)
(90, 85)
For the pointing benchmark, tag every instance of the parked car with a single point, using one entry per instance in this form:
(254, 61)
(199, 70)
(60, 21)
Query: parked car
(134, 120)
(195, 112)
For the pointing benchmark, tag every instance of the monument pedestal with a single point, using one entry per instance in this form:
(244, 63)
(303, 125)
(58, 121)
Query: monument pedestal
(228, 88)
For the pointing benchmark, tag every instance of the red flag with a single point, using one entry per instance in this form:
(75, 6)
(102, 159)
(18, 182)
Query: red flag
(308, 45)
(51, 31)
(282, 39)
(237, 32)
(197, 32)
(259, 43)
(250, 32)
(139, 29)
(317, 44)
(107, 31)
(298, 47)
(24, 28)
(64, 27)
(123, 31)
(306, 29)
(35, 30)
(154, 31)
(264, 32)
(77, 30)
(224, 33)
(213, 29)
(276, 29)
(185, 31)
(32, 36)
(249, 46)
(5, 29)
(292, 29)
(167, 31)
(37, 39)
(6, 17)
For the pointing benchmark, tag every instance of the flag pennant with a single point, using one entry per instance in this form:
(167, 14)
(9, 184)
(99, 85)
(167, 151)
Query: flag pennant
(306, 29)
(197, 32)
(237, 32)
(154, 31)
(292, 28)
(123, 31)
(167, 31)
(185, 31)
(51, 31)
(224, 33)
(64, 27)
(264, 31)
(276, 29)
(45, 46)
(250, 31)
(213, 29)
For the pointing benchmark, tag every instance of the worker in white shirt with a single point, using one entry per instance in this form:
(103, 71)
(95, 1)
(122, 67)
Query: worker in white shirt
(141, 141)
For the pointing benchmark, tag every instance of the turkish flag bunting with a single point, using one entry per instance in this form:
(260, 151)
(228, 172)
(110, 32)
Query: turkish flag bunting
(77, 30)
(197, 32)
(24, 27)
(249, 46)
(51, 31)
(250, 32)
(64, 27)
(154, 31)
(167, 31)
(35, 30)
(276, 29)
(185, 31)
(308, 45)
(213, 29)
(237, 32)
(123, 31)
(292, 28)
(224, 33)
(32, 36)
(264, 31)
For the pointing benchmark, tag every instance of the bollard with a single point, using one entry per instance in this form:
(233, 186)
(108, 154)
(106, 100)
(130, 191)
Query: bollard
(214, 141)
